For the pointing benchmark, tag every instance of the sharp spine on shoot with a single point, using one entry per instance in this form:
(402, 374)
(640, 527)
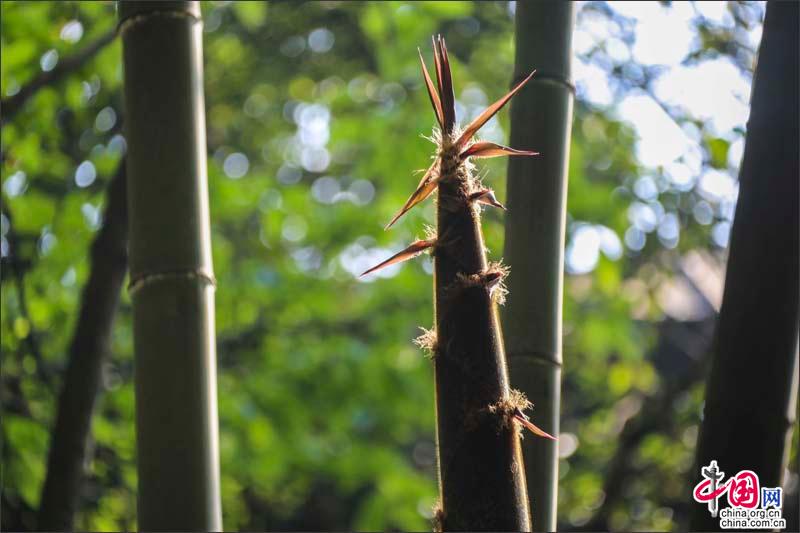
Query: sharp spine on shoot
(523, 419)
(489, 112)
(448, 99)
(437, 64)
(432, 92)
(487, 149)
(443, 105)
(426, 186)
(486, 197)
(412, 251)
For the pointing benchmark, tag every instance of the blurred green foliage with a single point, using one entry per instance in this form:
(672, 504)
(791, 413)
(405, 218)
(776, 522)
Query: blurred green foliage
(314, 116)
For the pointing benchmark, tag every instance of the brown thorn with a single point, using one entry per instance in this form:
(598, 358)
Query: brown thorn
(510, 410)
(426, 186)
(432, 92)
(486, 197)
(489, 112)
(437, 64)
(412, 251)
(486, 149)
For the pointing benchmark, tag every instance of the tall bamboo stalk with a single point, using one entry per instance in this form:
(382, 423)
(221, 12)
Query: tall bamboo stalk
(534, 247)
(481, 473)
(749, 411)
(172, 282)
(87, 351)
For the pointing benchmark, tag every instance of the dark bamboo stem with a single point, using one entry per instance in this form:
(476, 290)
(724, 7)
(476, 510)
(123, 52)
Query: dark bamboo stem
(482, 477)
(87, 352)
(481, 474)
(749, 410)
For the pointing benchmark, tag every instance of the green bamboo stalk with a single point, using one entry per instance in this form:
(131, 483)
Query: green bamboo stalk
(534, 247)
(749, 412)
(172, 282)
(481, 473)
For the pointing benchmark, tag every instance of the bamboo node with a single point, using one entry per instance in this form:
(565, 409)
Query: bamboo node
(451, 167)
(148, 278)
(135, 20)
(509, 409)
(446, 143)
(428, 342)
(453, 204)
(496, 275)
(429, 232)
(461, 172)
(447, 240)
(491, 278)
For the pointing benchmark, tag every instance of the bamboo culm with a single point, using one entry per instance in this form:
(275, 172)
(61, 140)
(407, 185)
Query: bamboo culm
(541, 116)
(172, 280)
(751, 393)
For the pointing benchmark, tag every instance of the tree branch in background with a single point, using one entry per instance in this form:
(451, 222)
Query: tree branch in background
(654, 416)
(90, 344)
(13, 104)
(681, 359)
